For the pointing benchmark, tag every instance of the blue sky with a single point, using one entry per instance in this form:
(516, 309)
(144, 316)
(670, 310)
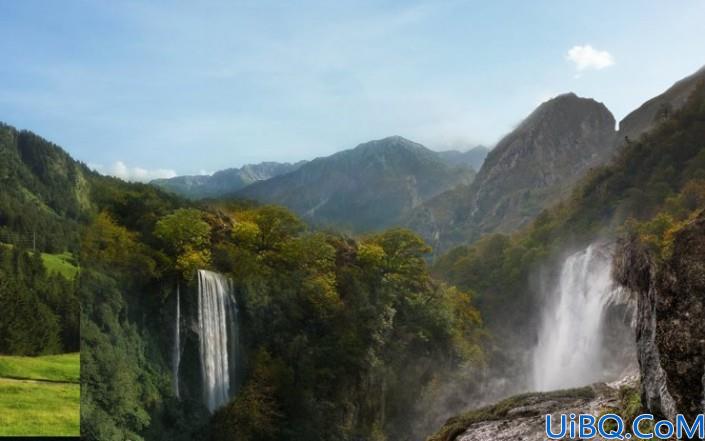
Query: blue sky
(147, 89)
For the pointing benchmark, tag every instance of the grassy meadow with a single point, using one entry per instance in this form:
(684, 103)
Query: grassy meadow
(60, 263)
(40, 395)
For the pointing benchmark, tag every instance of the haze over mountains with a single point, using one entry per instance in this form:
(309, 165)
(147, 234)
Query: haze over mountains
(226, 181)
(473, 157)
(528, 170)
(373, 186)
(395, 181)
(114, 228)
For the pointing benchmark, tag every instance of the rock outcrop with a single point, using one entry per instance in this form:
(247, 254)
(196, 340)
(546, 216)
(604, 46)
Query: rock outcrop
(670, 294)
(529, 169)
(658, 108)
(523, 417)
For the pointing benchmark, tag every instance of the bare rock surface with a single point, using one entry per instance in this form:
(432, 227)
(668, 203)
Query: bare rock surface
(523, 417)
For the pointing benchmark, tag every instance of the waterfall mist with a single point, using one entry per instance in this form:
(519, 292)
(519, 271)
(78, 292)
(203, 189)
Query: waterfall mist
(215, 309)
(571, 341)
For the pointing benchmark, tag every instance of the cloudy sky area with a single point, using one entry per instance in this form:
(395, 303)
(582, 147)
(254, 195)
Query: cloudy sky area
(143, 90)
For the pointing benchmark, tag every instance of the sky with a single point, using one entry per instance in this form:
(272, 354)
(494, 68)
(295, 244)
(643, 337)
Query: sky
(154, 89)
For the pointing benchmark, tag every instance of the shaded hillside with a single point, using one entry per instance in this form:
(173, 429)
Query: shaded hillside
(649, 114)
(45, 193)
(226, 181)
(472, 158)
(370, 187)
(528, 170)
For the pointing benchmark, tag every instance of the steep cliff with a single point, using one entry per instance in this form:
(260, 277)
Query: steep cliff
(670, 289)
(658, 108)
(530, 168)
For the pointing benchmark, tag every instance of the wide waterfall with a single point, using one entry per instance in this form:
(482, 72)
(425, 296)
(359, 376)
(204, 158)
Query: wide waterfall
(176, 355)
(570, 347)
(215, 306)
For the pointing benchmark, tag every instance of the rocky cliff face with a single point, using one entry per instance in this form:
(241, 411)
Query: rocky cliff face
(528, 170)
(671, 319)
(655, 110)
(523, 417)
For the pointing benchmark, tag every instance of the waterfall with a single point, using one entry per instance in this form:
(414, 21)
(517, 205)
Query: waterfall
(214, 308)
(569, 351)
(176, 354)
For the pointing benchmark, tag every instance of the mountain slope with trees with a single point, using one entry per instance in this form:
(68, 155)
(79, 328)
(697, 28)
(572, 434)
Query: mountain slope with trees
(341, 337)
(529, 169)
(652, 185)
(370, 187)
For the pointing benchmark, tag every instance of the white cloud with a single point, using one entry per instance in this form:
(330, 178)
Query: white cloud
(135, 174)
(586, 57)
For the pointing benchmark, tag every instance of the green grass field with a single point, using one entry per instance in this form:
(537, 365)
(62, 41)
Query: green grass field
(30, 406)
(63, 263)
(60, 263)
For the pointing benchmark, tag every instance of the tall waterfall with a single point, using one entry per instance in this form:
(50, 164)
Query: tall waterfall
(176, 354)
(215, 305)
(569, 351)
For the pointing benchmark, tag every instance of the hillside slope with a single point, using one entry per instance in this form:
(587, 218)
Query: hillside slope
(370, 187)
(472, 158)
(44, 193)
(652, 112)
(529, 169)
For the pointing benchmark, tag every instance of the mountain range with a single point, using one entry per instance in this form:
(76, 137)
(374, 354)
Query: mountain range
(226, 181)
(373, 186)
(295, 291)
(394, 181)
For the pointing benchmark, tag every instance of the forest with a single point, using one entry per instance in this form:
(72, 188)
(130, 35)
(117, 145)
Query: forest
(335, 330)
(342, 337)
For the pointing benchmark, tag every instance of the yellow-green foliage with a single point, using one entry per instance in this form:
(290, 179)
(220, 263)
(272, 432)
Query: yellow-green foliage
(110, 245)
(659, 232)
(187, 235)
(628, 407)
(351, 323)
(61, 263)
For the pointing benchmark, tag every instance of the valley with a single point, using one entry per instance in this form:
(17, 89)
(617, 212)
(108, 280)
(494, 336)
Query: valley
(383, 290)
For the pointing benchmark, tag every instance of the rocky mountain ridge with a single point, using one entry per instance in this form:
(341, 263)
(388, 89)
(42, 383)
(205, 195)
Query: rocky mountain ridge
(530, 168)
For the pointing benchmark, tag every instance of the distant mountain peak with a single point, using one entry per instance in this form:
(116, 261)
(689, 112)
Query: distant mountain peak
(224, 182)
(528, 169)
(371, 186)
(390, 142)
